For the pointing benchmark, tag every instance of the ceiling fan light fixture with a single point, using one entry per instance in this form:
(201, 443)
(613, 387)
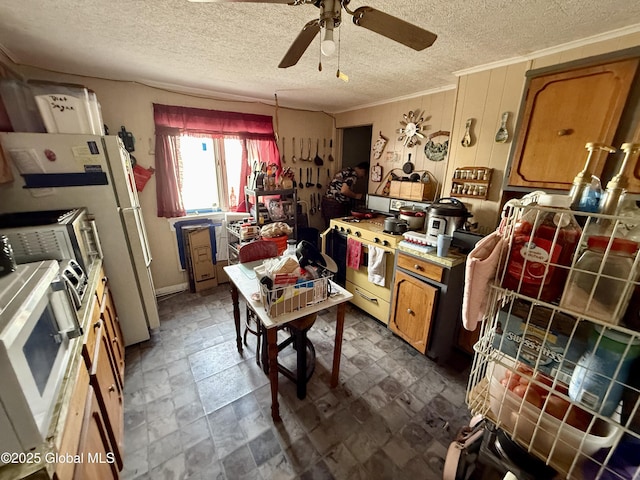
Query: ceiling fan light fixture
(328, 46)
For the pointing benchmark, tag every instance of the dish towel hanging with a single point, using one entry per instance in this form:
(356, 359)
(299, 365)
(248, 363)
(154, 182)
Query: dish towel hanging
(377, 266)
(354, 253)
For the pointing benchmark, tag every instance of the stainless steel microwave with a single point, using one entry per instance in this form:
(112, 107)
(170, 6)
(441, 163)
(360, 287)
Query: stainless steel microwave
(52, 235)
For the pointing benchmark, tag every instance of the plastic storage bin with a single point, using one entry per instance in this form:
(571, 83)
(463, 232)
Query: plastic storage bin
(65, 108)
(599, 285)
(546, 435)
(21, 107)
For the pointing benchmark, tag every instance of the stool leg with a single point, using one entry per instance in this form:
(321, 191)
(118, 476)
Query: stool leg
(258, 340)
(301, 374)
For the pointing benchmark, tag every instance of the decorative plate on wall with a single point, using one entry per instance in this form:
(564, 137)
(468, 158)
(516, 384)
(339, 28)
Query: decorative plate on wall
(436, 152)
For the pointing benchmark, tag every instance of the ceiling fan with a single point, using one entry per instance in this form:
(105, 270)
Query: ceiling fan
(330, 18)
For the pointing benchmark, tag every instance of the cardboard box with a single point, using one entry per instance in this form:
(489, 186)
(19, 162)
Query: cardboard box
(200, 266)
(558, 351)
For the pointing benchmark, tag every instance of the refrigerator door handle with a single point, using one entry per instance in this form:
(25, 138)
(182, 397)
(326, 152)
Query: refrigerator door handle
(137, 215)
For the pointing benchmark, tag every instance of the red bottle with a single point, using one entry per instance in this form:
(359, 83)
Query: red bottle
(544, 241)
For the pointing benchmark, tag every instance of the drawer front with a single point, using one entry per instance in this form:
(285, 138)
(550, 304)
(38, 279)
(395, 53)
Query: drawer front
(102, 283)
(421, 267)
(375, 306)
(91, 336)
(109, 394)
(112, 324)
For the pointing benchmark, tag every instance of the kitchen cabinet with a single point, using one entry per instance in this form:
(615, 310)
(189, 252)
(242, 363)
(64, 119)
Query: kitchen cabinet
(412, 310)
(426, 301)
(95, 449)
(561, 112)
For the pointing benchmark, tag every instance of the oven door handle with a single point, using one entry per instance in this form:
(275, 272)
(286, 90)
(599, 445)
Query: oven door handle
(366, 297)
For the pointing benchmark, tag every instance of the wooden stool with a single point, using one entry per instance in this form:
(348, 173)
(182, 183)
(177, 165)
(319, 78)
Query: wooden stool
(305, 356)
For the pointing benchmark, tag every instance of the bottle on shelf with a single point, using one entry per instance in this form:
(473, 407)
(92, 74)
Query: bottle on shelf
(582, 180)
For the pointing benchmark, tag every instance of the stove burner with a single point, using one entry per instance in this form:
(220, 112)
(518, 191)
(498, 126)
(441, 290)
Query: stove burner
(391, 233)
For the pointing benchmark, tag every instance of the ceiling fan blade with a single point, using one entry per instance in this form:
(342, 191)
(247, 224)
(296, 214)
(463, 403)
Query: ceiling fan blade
(300, 44)
(243, 1)
(393, 28)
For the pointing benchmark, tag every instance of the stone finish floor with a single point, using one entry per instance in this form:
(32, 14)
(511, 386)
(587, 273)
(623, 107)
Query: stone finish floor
(195, 408)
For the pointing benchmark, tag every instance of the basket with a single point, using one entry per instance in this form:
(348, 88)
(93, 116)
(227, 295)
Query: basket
(288, 297)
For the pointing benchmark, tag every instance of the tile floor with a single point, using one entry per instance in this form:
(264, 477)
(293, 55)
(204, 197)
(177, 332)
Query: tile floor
(195, 408)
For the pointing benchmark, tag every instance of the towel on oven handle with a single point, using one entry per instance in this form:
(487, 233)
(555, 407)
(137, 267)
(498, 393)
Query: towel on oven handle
(377, 265)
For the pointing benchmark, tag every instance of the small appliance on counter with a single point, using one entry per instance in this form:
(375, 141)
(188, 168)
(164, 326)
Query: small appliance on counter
(445, 216)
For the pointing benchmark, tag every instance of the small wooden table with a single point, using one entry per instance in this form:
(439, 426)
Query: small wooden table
(243, 282)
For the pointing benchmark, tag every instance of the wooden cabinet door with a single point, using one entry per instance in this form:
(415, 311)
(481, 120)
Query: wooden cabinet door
(412, 310)
(110, 318)
(104, 380)
(95, 449)
(562, 112)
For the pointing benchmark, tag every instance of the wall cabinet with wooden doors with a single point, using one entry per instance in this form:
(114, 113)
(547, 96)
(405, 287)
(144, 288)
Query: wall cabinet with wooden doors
(564, 109)
(426, 301)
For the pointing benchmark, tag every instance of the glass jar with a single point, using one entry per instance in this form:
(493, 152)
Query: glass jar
(291, 248)
(598, 380)
(543, 240)
(600, 283)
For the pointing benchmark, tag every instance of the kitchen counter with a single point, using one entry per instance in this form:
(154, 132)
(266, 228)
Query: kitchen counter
(429, 253)
(48, 450)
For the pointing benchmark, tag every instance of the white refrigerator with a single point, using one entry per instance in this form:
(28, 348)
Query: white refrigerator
(97, 174)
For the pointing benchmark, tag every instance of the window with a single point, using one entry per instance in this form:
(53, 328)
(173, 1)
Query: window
(202, 190)
(203, 157)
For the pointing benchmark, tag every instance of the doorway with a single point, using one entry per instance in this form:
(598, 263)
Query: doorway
(356, 148)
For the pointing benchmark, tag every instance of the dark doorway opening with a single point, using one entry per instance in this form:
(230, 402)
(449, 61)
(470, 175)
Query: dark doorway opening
(356, 148)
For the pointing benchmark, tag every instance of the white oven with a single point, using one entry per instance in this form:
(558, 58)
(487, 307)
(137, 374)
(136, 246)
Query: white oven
(37, 326)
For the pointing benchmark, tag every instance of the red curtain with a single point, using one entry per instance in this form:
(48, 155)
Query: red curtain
(172, 121)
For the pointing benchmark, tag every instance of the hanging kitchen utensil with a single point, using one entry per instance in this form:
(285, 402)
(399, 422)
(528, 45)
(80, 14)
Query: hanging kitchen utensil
(378, 147)
(330, 149)
(324, 148)
(293, 149)
(376, 173)
(503, 134)
(284, 159)
(318, 185)
(466, 139)
(313, 204)
(319, 202)
(301, 179)
(301, 158)
(408, 167)
(318, 160)
(309, 151)
(436, 152)
(309, 183)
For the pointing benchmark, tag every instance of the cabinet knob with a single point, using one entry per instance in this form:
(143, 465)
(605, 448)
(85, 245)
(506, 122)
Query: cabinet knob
(418, 267)
(96, 325)
(410, 312)
(348, 230)
(376, 240)
(385, 243)
(358, 234)
(563, 132)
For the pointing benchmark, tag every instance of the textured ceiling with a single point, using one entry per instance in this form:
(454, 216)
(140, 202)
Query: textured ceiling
(234, 48)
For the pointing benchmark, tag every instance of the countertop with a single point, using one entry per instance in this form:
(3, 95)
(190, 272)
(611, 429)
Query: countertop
(49, 448)
(429, 253)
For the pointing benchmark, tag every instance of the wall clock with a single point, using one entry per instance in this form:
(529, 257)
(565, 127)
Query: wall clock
(410, 129)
